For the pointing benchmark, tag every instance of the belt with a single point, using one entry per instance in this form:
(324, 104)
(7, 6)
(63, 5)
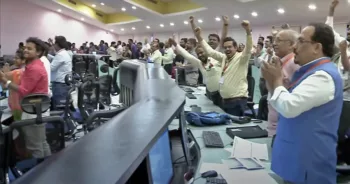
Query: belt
(58, 82)
(233, 99)
(191, 72)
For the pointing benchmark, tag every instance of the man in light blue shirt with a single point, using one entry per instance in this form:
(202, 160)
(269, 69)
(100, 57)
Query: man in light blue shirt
(61, 65)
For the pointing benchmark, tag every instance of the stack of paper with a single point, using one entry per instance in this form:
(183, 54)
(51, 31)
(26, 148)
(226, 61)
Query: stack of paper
(247, 149)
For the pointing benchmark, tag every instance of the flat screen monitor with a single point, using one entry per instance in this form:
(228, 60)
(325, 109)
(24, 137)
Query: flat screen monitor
(160, 161)
(184, 138)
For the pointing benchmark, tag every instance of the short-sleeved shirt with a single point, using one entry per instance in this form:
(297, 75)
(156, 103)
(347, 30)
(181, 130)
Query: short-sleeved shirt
(34, 79)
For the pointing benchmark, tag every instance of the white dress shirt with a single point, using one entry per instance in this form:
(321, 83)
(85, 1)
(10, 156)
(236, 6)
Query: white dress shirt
(113, 53)
(70, 53)
(156, 57)
(145, 47)
(61, 65)
(169, 56)
(47, 66)
(316, 90)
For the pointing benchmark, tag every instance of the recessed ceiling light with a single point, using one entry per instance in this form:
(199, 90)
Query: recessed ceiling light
(112, 30)
(172, 24)
(82, 19)
(200, 20)
(133, 28)
(217, 19)
(236, 16)
(123, 9)
(133, 7)
(281, 11)
(93, 5)
(148, 27)
(185, 22)
(312, 7)
(59, 10)
(161, 25)
(254, 14)
(122, 29)
(102, 4)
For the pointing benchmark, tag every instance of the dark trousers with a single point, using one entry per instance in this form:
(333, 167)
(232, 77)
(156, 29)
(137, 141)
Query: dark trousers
(168, 68)
(215, 97)
(262, 87)
(59, 94)
(235, 106)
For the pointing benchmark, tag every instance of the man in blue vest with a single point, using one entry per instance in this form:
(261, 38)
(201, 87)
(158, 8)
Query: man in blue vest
(304, 151)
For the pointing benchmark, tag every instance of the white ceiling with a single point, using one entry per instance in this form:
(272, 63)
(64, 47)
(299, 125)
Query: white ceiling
(296, 13)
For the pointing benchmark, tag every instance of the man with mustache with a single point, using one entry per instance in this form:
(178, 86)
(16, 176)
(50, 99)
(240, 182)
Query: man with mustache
(207, 66)
(309, 110)
(233, 85)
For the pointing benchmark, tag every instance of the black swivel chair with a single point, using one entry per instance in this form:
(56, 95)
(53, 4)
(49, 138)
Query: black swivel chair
(251, 89)
(115, 86)
(105, 82)
(343, 149)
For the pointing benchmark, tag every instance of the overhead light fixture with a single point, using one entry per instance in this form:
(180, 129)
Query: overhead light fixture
(82, 19)
(200, 21)
(133, 28)
(122, 29)
(281, 11)
(133, 7)
(112, 30)
(217, 19)
(172, 24)
(123, 9)
(185, 22)
(161, 25)
(312, 7)
(254, 14)
(102, 4)
(59, 10)
(236, 16)
(148, 27)
(93, 5)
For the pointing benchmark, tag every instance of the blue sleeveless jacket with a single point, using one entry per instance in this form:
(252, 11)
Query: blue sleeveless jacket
(304, 150)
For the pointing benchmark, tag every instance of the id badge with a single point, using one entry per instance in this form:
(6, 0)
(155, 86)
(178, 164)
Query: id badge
(221, 81)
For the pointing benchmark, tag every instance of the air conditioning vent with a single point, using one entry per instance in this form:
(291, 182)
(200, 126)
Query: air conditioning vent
(72, 2)
(98, 14)
(153, 1)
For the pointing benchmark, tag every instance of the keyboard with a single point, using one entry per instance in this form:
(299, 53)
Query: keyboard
(188, 90)
(212, 139)
(216, 181)
(190, 96)
(3, 108)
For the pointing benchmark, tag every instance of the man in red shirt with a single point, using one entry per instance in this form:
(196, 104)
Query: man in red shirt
(34, 80)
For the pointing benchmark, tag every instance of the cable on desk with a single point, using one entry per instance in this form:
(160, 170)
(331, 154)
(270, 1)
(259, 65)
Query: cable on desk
(178, 159)
(196, 179)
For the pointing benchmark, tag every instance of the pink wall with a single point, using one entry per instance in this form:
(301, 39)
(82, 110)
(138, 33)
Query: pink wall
(20, 19)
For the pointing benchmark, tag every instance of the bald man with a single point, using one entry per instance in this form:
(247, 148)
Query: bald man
(283, 47)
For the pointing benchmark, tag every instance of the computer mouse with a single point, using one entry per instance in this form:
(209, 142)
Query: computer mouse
(209, 174)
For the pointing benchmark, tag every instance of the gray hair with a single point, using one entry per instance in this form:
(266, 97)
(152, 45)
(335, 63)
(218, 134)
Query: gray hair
(292, 35)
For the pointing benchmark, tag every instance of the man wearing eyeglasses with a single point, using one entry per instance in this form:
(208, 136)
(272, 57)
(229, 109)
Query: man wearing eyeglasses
(304, 150)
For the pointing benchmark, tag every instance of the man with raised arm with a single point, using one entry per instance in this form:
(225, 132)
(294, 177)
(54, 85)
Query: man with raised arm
(207, 66)
(233, 85)
(343, 58)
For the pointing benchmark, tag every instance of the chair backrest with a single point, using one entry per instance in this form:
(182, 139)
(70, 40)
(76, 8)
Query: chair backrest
(251, 87)
(105, 88)
(34, 103)
(88, 97)
(344, 122)
(115, 79)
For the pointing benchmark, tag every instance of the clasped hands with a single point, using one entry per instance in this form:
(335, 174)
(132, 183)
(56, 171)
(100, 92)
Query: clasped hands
(272, 72)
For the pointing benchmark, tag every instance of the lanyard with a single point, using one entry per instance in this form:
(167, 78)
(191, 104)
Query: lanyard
(226, 65)
(323, 61)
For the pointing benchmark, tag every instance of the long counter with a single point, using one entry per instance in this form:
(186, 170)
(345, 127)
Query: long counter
(112, 152)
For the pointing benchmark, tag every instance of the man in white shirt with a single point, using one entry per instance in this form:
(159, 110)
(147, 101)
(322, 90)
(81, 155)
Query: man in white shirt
(47, 66)
(309, 110)
(168, 57)
(61, 65)
(112, 51)
(156, 56)
(343, 62)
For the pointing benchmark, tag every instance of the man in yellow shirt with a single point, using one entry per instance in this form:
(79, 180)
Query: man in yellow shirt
(234, 66)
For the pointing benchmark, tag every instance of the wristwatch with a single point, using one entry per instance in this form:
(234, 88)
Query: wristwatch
(7, 84)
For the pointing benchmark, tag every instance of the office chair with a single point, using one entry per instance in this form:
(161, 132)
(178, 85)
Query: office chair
(263, 110)
(180, 76)
(105, 82)
(115, 86)
(343, 148)
(251, 89)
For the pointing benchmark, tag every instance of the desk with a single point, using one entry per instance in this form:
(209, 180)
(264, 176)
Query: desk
(214, 155)
(7, 112)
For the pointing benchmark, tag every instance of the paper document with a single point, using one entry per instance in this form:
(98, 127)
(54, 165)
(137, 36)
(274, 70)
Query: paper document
(247, 149)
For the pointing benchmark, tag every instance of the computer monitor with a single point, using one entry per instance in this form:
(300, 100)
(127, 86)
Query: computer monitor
(184, 139)
(160, 162)
(180, 77)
